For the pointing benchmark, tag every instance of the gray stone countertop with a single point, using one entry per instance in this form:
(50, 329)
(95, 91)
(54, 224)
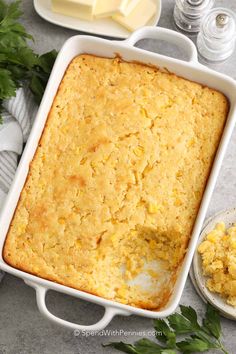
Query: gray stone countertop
(22, 329)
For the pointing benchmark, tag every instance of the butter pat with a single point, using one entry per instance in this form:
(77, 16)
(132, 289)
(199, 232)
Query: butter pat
(129, 7)
(107, 8)
(139, 17)
(83, 9)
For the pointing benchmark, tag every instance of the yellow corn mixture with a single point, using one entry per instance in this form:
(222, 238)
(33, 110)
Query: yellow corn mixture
(218, 253)
(115, 185)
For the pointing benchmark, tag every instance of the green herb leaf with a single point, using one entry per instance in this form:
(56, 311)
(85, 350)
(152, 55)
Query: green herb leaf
(192, 345)
(180, 324)
(189, 313)
(18, 62)
(7, 85)
(164, 333)
(3, 8)
(40, 74)
(23, 56)
(10, 41)
(37, 87)
(201, 334)
(123, 347)
(46, 61)
(143, 346)
(10, 13)
(211, 321)
(2, 57)
(146, 346)
(19, 73)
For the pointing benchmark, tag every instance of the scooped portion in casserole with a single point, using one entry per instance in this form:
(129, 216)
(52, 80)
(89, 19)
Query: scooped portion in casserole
(117, 179)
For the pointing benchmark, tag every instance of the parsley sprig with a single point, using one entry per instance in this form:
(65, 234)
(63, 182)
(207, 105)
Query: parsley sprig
(19, 64)
(200, 337)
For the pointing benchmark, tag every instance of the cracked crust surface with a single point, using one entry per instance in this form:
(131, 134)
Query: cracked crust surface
(117, 180)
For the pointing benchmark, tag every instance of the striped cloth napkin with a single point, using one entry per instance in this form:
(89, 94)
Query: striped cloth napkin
(18, 116)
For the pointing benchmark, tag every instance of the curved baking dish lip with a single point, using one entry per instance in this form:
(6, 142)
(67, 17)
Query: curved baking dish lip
(191, 70)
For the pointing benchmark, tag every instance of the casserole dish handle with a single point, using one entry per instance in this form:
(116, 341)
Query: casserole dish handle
(109, 313)
(167, 35)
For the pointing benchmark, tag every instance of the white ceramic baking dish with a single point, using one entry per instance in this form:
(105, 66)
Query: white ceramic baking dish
(191, 70)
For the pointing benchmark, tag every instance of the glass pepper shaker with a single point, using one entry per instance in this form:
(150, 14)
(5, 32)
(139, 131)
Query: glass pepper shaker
(216, 39)
(189, 13)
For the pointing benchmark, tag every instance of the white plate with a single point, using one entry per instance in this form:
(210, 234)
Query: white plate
(198, 279)
(103, 27)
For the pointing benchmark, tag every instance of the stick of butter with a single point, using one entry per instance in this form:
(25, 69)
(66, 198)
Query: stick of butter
(106, 8)
(83, 9)
(139, 17)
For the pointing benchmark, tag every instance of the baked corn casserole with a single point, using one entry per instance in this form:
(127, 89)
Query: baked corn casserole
(117, 179)
(218, 254)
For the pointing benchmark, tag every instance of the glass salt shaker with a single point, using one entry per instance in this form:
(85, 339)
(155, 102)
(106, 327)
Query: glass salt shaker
(216, 39)
(189, 13)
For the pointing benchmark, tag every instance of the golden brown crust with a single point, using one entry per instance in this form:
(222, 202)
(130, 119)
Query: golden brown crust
(116, 182)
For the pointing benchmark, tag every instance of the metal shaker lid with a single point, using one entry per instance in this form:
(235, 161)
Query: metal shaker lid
(188, 13)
